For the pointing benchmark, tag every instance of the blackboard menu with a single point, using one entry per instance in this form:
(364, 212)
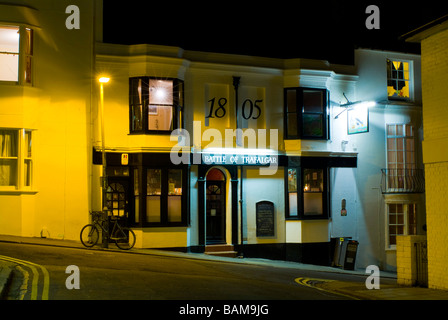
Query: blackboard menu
(265, 219)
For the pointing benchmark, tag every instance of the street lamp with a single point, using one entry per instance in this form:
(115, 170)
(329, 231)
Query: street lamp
(105, 239)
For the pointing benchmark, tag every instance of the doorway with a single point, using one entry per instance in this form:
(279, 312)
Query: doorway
(117, 197)
(215, 207)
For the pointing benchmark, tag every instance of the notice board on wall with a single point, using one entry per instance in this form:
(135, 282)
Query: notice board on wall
(265, 215)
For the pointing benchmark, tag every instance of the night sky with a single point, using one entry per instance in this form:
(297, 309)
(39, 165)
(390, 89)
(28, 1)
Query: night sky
(327, 30)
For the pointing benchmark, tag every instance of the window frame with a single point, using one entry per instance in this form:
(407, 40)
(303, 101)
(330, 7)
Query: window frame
(25, 75)
(406, 220)
(326, 214)
(410, 80)
(24, 179)
(177, 106)
(140, 180)
(300, 114)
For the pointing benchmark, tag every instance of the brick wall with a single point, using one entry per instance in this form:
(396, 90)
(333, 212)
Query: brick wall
(435, 157)
(406, 259)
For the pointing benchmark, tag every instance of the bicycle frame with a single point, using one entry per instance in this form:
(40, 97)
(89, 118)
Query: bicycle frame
(96, 221)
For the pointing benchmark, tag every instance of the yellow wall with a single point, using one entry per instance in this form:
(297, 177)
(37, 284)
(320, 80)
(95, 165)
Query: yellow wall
(435, 113)
(57, 107)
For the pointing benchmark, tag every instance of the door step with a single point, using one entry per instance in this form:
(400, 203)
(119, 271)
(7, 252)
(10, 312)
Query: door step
(221, 250)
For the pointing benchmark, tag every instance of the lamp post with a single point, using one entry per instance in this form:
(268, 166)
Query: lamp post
(105, 238)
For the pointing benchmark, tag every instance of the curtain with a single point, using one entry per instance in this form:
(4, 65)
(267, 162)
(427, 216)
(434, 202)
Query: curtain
(8, 150)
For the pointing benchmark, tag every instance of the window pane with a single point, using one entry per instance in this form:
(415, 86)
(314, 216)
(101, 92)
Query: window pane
(153, 209)
(27, 173)
(313, 191)
(313, 101)
(136, 196)
(291, 102)
(9, 39)
(174, 209)
(9, 53)
(174, 182)
(312, 125)
(293, 204)
(313, 180)
(9, 67)
(161, 92)
(153, 182)
(160, 118)
(292, 180)
(390, 129)
(312, 203)
(8, 143)
(29, 41)
(137, 117)
(136, 94)
(8, 172)
(292, 124)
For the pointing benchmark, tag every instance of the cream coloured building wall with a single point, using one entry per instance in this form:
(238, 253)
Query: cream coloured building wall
(56, 107)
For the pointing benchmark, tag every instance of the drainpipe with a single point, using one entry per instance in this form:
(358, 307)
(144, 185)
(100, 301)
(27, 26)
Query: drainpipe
(236, 84)
(241, 207)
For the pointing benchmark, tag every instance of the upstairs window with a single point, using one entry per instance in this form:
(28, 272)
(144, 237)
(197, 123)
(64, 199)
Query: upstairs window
(398, 80)
(16, 54)
(306, 115)
(155, 105)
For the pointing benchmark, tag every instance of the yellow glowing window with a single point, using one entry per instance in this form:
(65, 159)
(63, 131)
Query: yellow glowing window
(398, 79)
(9, 53)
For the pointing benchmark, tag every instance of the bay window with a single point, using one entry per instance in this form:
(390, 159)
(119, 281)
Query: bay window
(16, 54)
(163, 200)
(306, 114)
(155, 105)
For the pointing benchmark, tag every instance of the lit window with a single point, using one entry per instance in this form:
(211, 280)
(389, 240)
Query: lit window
(12, 46)
(313, 188)
(155, 105)
(165, 203)
(307, 196)
(292, 192)
(398, 79)
(9, 53)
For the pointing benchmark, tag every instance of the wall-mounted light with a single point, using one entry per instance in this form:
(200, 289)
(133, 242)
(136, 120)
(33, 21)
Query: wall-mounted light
(357, 105)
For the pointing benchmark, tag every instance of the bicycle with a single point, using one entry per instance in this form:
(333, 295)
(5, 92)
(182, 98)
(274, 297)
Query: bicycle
(124, 237)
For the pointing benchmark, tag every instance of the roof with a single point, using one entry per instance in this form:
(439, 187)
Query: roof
(427, 30)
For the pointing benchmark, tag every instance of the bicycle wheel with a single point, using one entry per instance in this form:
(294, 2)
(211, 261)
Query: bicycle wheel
(125, 238)
(89, 235)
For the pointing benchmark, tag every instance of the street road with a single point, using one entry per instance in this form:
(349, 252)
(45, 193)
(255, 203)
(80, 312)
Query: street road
(107, 275)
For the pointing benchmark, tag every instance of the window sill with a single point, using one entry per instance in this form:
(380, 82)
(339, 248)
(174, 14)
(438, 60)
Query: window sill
(150, 133)
(17, 192)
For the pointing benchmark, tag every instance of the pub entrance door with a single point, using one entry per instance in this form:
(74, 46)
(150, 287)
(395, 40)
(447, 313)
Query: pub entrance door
(215, 207)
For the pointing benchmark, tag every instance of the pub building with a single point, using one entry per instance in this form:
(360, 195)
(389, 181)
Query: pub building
(254, 156)
(184, 119)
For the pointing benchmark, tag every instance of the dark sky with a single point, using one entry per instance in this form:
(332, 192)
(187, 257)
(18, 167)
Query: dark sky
(280, 29)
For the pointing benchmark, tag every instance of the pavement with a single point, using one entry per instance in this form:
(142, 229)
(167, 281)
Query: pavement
(356, 290)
